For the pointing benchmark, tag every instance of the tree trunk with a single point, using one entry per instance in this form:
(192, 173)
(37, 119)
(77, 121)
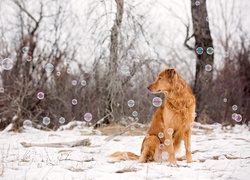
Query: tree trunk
(203, 78)
(113, 63)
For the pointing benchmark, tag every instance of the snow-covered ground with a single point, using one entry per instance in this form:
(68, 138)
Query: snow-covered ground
(219, 154)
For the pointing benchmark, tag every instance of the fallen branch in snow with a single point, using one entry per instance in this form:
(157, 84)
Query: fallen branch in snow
(120, 132)
(83, 142)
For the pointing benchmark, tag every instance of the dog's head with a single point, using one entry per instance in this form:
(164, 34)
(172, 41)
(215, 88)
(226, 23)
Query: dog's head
(167, 80)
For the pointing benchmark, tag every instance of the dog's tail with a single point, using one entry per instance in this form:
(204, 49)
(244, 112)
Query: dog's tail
(124, 156)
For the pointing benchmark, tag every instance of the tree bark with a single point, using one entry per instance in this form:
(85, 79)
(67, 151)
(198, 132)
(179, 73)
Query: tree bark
(203, 78)
(113, 63)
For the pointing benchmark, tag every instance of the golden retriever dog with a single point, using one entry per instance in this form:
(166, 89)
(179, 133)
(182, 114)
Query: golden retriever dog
(171, 122)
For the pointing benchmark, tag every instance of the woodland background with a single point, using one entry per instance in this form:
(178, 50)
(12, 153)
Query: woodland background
(91, 40)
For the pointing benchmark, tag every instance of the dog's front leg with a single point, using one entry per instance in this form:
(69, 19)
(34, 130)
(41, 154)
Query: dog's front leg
(187, 143)
(169, 146)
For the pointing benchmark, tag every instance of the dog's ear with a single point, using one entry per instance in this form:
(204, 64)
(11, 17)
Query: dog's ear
(171, 73)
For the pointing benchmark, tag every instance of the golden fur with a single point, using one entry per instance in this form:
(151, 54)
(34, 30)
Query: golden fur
(175, 114)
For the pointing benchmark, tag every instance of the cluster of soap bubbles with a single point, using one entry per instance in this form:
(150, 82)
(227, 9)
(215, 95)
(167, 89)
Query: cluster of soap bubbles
(200, 50)
(157, 101)
(237, 117)
(131, 103)
(25, 50)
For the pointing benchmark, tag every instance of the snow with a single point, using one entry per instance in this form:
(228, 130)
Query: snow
(219, 153)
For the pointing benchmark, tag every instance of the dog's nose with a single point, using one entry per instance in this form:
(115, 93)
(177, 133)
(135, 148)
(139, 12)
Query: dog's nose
(148, 87)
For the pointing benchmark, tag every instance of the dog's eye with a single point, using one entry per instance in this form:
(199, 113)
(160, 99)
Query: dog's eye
(159, 78)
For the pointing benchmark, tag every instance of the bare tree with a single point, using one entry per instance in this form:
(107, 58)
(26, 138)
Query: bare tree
(203, 40)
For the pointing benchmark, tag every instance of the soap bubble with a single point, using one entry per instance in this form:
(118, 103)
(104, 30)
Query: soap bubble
(207, 19)
(170, 131)
(7, 64)
(131, 103)
(58, 73)
(74, 101)
(25, 49)
(136, 60)
(208, 68)
(194, 114)
(28, 58)
(40, 95)
(210, 50)
(160, 134)
(88, 117)
(197, 3)
(74, 82)
(238, 118)
(130, 52)
(234, 107)
(161, 146)
(199, 50)
(127, 73)
(46, 120)
(226, 55)
(167, 142)
(125, 69)
(27, 123)
(83, 83)
(62, 120)
(49, 67)
(157, 101)
(225, 99)
(1, 90)
(69, 71)
(68, 61)
(234, 116)
(164, 155)
(134, 113)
